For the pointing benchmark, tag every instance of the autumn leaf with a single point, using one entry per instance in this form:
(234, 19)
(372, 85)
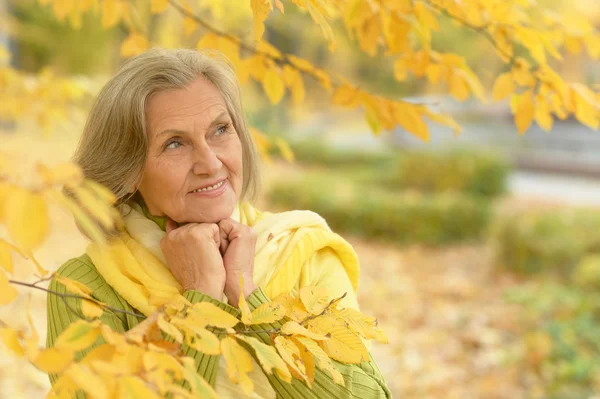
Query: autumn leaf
(74, 286)
(273, 86)
(290, 354)
(343, 345)
(503, 86)
(243, 305)
(91, 310)
(294, 308)
(524, 112)
(202, 340)
(261, 10)
(206, 313)
(6, 261)
(53, 360)
(293, 328)
(308, 360)
(199, 385)
(8, 293)
(131, 387)
(111, 13)
(361, 324)
(346, 96)
(169, 328)
(78, 335)
(268, 358)
(323, 360)
(27, 221)
(239, 363)
(285, 149)
(135, 44)
(158, 6)
(90, 382)
(315, 299)
(10, 338)
(268, 313)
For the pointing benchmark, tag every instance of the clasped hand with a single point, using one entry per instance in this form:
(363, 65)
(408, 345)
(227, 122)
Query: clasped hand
(211, 257)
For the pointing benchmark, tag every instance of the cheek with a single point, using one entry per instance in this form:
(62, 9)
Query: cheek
(164, 177)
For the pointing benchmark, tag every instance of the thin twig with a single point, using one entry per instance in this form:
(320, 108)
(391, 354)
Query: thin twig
(65, 296)
(330, 304)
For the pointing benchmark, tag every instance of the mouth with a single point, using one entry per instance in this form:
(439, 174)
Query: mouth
(212, 187)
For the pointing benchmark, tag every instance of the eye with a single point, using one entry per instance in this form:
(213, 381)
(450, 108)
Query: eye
(172, 144)
(221, 130)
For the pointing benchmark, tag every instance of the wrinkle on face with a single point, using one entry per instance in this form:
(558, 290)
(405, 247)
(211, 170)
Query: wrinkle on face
(170, 174)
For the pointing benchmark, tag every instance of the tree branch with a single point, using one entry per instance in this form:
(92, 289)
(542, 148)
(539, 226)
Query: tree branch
(65, 296)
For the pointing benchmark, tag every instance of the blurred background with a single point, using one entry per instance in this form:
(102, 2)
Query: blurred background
(480, 252)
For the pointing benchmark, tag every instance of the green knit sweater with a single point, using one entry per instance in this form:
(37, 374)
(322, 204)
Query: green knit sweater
(362, 380)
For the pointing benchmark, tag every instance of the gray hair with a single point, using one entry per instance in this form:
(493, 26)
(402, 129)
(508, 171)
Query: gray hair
(114, 144)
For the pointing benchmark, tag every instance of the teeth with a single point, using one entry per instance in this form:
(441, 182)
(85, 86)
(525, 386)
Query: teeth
(210, 188)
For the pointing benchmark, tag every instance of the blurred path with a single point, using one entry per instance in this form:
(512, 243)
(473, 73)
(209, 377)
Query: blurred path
(556, 188)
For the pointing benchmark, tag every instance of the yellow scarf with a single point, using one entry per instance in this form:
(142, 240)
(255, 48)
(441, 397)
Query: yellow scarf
(134, 265)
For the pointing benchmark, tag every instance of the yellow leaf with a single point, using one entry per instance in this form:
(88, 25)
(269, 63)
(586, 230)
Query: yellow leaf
(290, 354)
(372, 116)
(295, 309)
(100, 211)
(91, 383)
(524, 112)
(503, 86)
(343, 345)
(293, 328)
(202, 340)
(285, 150)
(74, 287)
(410, 119)
(368, 34)
(205, 313)
(243, 305)
(208, 41)
(268, 358)
(169, 328)
(78, 336)
(102, 353)
(199, 386)
(346, 96)
(27, 218)
(91, 310)
(261, 10)
(135, 44)
(279, 6)
(268, 313)
(8, 293)
(363, 325)
(53, 360)
(458, 87)
(5, 192)
(10, 338)
(103, 193)
(239, 363)
(273, 85)
(66, 173)
(298, 90)
(158, 6)
(308, 360)
(111, 13)
(130, 387)
(315, 299)
(6, 261)
(323, 360)
(163, 361)
(542, 114)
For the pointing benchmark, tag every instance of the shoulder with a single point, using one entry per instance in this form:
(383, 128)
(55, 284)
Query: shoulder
(78, 266)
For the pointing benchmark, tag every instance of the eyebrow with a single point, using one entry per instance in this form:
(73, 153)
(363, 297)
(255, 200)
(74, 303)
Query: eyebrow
(219, 119)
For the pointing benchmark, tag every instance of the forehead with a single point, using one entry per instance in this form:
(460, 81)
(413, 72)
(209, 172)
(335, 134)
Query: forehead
(199, 102)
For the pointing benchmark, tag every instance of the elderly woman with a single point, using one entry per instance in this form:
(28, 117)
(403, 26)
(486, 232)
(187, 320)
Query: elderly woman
(167, 135)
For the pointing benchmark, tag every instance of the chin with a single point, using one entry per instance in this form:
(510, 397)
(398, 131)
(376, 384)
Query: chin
(214, 215)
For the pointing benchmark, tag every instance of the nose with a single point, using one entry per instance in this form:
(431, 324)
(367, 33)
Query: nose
(206, 161)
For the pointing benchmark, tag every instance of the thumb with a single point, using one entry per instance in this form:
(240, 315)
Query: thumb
(171, 225)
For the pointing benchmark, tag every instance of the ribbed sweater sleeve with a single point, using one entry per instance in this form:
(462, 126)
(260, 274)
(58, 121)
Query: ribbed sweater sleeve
(362, 380)
(61, 315)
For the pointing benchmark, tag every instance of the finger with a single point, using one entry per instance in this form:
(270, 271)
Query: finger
(171, 225)
(224, 242)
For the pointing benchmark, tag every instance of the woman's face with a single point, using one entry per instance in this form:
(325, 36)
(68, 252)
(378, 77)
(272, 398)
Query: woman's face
(193, 171)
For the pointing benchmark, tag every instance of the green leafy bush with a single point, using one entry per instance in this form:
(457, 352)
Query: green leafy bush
(312, 152)
(470, 171)
(551, 240)
(562, 328)
(402, 218)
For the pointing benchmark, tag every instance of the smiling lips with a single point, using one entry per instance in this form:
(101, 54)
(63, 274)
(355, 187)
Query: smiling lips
(209, 188)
